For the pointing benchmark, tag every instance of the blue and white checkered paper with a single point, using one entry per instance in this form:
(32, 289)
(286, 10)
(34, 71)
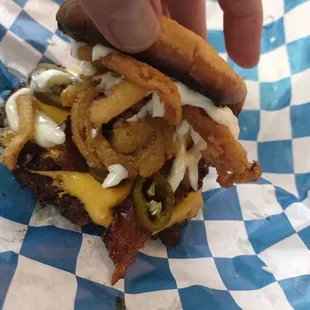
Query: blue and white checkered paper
(247, 249)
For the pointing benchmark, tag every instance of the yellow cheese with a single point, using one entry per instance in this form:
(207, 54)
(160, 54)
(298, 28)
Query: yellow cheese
(58, 115)
(187, 208)
(98, 201)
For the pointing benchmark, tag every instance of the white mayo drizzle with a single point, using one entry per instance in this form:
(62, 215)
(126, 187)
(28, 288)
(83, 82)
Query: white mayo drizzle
(158, 108)
(11, 109)
(154, 108)
(194, 135)
(183, 129)
(75, 45)
(117, 173)
(133, 118)
(46, 79)
(47, 133)
(221, 115)
(186, 159)
(107, 80)
(87, 68)
(94, 132)
(144, 111)
(100, 51)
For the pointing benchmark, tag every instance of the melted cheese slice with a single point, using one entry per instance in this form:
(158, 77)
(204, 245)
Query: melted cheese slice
(56, 114)
(187, 208)
(98, 201)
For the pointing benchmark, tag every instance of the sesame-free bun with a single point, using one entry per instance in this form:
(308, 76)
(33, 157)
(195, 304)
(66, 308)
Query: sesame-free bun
(178, 52)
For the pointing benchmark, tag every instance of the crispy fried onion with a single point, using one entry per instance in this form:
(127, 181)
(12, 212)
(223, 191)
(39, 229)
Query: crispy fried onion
(144, 77)
(123, 96)
(69, 95)
(81, 125)
(224, 152)
(27, 113)
(151, 141)
(126, 137)
(141, 147)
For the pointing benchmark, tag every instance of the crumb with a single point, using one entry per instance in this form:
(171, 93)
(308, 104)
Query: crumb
(267, 269)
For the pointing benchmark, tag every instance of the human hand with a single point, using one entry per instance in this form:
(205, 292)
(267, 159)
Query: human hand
(133, 25)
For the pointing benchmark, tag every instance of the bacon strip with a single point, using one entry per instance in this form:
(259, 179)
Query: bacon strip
(123, 239)
(224, 152)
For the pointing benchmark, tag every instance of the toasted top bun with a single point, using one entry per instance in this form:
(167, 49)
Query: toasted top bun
(178, 52)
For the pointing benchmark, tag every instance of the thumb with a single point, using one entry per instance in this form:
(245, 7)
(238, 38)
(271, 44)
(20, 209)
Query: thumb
(130, 25)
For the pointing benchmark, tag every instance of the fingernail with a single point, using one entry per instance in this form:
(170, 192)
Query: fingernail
(135, 25)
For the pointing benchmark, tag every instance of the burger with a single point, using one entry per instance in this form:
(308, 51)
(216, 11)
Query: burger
(125, 141)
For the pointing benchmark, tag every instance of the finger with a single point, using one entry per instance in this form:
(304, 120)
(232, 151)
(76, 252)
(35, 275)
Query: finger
(243, 22)
(165, 9)
(191, 14)
(131, 26)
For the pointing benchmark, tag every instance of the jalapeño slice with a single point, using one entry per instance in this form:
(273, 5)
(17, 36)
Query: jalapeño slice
(154, 201)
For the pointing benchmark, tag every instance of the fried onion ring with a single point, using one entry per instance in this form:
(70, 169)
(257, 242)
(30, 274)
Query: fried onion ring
(69, 95)
(143, 75)
(126, 137)
(224, 152)
(27, 113)
(123, 96)
(81, 125)
(151, 79)
(145, 160)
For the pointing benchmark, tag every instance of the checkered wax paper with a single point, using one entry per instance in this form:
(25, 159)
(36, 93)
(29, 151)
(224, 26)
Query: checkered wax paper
(249, 246)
